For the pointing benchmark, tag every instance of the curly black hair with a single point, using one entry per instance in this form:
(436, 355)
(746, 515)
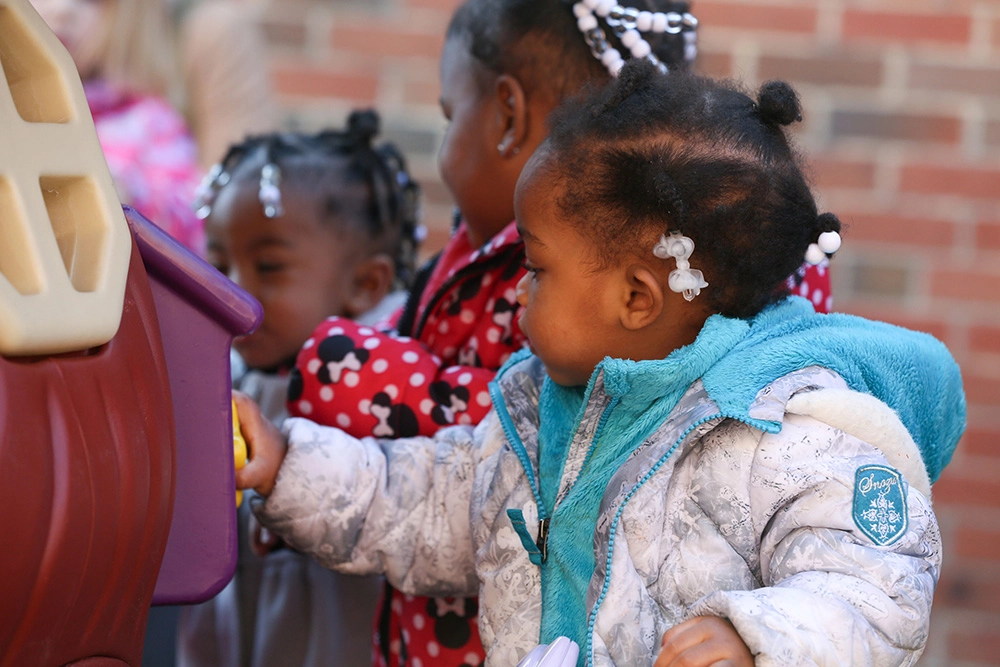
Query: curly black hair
(538, 41)
(650, 154)
(308, 161)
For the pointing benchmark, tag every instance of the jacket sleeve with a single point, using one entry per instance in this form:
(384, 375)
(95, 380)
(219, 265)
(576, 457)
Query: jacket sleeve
(849, 553)
(368, 506)
(371, 383)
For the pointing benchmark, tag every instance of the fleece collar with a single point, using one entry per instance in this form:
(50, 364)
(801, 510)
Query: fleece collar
(911, 372)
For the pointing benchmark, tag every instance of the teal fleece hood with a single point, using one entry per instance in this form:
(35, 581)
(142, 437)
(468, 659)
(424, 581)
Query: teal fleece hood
(911, 372)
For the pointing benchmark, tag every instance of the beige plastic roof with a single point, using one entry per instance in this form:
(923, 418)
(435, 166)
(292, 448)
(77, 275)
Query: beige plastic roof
(64, 242)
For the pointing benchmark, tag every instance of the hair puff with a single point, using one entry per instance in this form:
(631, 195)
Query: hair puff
(363, 126)
(778, 103)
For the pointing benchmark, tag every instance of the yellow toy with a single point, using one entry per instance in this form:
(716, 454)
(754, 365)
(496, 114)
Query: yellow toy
(239, 449)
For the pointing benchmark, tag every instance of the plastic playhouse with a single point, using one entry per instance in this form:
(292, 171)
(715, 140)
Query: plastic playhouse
(116, 441)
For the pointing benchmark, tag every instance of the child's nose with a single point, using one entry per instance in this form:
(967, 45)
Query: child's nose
(521, 290)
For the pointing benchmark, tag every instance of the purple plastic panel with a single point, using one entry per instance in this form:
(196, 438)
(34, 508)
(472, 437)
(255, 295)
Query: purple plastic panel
(200, 311)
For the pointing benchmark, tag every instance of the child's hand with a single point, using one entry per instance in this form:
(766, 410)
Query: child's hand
(705, 641)
(266, 447)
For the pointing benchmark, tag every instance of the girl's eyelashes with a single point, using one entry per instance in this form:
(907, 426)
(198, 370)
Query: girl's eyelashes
(269, 267)
(529, 267)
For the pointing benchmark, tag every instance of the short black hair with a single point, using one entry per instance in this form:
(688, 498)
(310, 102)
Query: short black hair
(307, 161)
(654, 153)
(538, 41)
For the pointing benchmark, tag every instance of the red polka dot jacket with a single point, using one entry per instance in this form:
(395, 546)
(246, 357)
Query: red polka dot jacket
(373, 383)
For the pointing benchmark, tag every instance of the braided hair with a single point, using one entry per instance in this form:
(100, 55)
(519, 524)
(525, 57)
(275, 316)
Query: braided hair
(652, 154)
(540, 41)
(392, 210)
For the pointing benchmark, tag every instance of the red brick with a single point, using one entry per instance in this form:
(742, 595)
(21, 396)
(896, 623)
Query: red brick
(980, 648)
(993, 133)
(831, 172)
(980, 543)
(381, 40)
(906, 127)
(981, 442)
(964, 181)
(719, 65)
(966, 585)
(953, 489)
(898, 229)
(988, 235)
(301, 80)
(885, 26)
(840, 69)
(974, 80)
(283, 33)
(783, 18)
(421, 94)
(981, 390)
(446, 5)
(984, 338)
(970, 284)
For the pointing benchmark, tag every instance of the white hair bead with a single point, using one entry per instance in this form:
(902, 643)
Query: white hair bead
(641, 49)
(659, 22)
(586, 22)
(604, 7)
(590, 4)
(630, 38)
(814, 254)
(644, 21)
(580, 10)
(829, 242)
(610, 56)
(616, 67)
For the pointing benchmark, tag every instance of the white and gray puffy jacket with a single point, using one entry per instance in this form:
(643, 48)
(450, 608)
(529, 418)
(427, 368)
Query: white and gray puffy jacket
(817, 542)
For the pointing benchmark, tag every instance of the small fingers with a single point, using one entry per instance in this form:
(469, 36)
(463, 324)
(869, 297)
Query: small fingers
(705, 641)
(265, 447)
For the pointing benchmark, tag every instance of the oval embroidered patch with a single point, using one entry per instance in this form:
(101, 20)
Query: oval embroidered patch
(880, 504)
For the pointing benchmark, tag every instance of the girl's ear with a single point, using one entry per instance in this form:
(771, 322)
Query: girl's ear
(512, 104)
(643, 298)
(371, 283)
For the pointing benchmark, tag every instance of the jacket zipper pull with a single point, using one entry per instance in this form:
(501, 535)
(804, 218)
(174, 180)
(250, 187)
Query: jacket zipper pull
(543, 538)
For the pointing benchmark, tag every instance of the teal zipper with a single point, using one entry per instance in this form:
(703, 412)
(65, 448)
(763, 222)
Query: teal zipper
(618, 514)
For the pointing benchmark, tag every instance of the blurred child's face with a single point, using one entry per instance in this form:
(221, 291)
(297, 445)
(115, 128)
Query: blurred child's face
(84, 28)
(300, 265)
(569, 310)
(470, 163)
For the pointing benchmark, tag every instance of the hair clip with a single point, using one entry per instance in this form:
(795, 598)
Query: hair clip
(628, 23)
(827, 244)
(683, 280)
(270, 192)
(204, 196)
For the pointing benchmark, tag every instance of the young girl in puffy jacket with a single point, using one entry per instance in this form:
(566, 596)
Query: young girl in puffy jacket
(505, 65)
(688, 463)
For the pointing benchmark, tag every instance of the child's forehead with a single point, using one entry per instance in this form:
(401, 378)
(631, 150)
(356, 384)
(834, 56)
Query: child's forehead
(315, 202)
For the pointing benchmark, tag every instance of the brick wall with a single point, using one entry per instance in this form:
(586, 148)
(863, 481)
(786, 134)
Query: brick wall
(902, 126)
